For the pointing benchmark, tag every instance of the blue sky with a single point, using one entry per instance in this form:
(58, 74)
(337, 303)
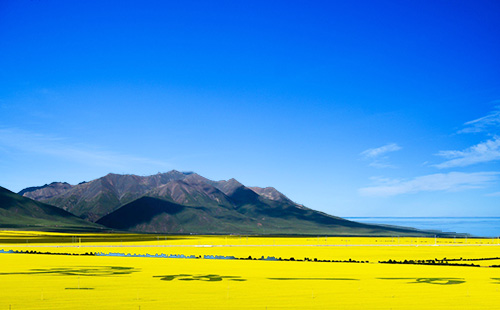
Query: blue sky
(355, 108)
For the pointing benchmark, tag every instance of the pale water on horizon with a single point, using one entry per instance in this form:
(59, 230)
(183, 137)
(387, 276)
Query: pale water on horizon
(475, 226)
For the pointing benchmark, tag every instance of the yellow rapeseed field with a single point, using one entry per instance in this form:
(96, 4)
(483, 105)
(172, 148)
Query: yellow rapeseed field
(42, 281)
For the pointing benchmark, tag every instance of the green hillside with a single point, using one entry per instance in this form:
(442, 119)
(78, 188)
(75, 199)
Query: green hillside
(17, 212)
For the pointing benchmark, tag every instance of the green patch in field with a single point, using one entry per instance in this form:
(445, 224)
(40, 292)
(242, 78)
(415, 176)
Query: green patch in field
(207, 277)
(86, 238)
(92, 271)
(437, 281)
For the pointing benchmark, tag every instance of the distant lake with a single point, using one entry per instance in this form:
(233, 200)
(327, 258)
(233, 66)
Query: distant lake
(476, 226)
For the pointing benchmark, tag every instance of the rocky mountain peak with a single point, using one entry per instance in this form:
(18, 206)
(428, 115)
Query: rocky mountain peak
(45, 191)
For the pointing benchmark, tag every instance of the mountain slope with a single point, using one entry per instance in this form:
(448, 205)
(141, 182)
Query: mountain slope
(271, 193)
(20, 212)
(193, 190)
(148, 214)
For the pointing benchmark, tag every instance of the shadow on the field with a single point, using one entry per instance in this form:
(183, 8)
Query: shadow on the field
(93, 271)
(207, 277)
(437, 281)
(79, 288)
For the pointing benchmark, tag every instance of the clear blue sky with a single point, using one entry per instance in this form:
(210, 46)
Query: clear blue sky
(355, 108)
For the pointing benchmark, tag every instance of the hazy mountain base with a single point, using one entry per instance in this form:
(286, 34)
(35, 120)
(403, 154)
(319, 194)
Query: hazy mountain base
(154, 215)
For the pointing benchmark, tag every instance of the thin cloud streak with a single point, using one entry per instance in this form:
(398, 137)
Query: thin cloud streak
(447, 182)
(376, 155)
(480, 153)
(24, 141)
(483, 123)
(377, 152)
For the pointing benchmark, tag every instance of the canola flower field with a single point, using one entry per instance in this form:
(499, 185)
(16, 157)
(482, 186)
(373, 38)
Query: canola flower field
(125, 271)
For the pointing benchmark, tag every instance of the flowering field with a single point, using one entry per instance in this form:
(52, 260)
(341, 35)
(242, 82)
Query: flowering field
(135, 272)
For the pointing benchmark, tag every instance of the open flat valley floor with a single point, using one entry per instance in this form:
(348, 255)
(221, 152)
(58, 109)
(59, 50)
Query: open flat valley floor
(347, 273)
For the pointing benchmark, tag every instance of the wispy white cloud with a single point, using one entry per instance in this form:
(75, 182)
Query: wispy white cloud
(29, 142)
(483, 123)
(379, 151)
(497, 194)
(450, 182)
(378, 157)
(480, 153)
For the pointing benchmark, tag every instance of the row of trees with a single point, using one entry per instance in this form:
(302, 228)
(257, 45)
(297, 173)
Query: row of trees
(307, 259)
(49, 253)
(428, 262)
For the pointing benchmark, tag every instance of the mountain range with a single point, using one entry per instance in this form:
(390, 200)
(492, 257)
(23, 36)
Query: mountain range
(185, 202)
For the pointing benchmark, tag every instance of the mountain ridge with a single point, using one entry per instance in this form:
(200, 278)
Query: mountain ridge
(45, 191)
(96, 198)
(147, 204)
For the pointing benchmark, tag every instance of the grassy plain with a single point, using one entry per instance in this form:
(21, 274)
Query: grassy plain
(37, 281)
